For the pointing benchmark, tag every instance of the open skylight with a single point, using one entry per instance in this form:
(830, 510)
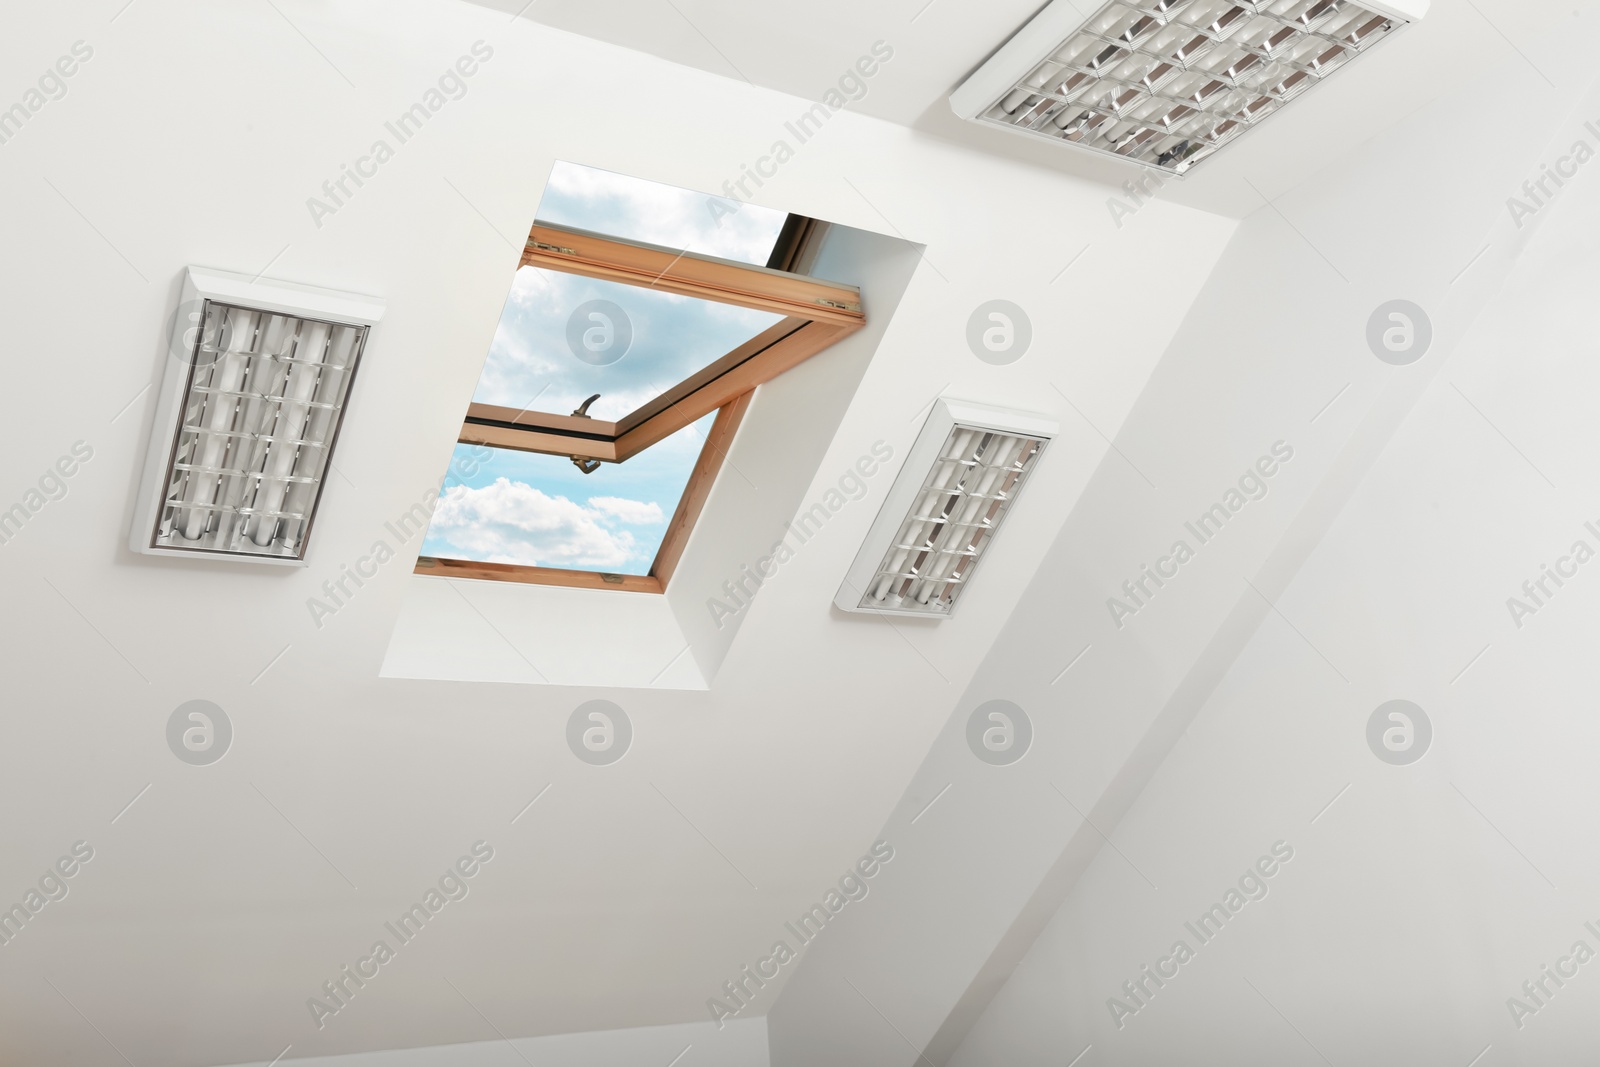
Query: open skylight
(639, 322)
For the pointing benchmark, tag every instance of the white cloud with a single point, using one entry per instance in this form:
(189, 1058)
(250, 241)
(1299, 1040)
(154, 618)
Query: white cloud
(630, 512)
(510, 522)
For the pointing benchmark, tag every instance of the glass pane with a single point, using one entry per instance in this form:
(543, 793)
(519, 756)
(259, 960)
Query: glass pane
(541, 511)
(562, 338)
(638, 210)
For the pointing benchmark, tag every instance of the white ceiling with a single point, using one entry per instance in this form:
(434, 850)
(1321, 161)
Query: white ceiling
(224, 896)
(1193, 760)
(801, 48)
(345, 792)
(1420, 897)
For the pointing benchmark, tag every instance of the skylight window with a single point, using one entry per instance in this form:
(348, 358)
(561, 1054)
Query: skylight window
(618, 377)
(532, 510)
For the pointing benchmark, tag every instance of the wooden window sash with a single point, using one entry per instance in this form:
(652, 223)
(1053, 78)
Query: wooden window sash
(817, 314)
(613, 442)
(688, 274)
(512, 572)
(698, 490)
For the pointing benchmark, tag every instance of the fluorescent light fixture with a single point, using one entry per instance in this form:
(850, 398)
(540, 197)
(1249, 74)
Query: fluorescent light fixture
(1166, 83)
(257, 378)
(959, 482)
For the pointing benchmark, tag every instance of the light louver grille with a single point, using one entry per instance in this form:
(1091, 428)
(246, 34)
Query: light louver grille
(264, 399)
(1167, 83)
(958, 486)
(955, 516)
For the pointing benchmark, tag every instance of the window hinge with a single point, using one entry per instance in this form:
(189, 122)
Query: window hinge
(841, 307)
(540, 246)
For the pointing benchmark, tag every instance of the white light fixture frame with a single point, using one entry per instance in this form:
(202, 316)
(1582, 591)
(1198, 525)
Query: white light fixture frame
(204, 289)
(914, 476)
(1055, 25)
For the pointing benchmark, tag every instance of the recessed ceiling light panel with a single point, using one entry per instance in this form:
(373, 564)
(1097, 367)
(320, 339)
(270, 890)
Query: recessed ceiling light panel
(1166, 83)
(958, 485)
(255, 387)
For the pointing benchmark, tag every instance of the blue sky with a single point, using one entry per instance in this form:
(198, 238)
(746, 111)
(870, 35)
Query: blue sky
(541, 510)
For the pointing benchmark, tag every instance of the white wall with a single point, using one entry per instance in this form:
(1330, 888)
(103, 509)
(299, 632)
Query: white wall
(1276, 334)
(741, 1043)
(1426, 895)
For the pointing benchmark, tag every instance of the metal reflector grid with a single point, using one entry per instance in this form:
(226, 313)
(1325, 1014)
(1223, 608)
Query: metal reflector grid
(1169, 82)
(260, 414)
(952, 521)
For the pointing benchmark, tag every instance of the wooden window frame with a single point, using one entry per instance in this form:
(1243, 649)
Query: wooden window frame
(817, 315)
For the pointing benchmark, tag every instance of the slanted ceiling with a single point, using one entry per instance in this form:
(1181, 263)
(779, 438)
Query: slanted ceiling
(221, 898)
(226, 895)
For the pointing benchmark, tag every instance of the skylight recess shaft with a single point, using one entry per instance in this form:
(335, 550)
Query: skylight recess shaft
(1167, 83)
